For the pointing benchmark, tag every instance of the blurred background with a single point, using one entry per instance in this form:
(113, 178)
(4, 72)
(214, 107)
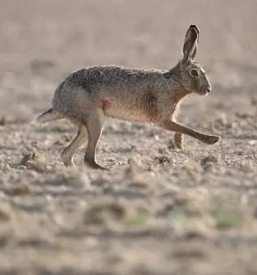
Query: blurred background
(42, 41)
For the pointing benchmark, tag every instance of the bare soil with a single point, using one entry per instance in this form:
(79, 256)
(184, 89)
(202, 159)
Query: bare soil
(158, 210)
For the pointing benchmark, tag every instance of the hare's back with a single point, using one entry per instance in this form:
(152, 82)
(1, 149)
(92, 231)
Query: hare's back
(111, 78)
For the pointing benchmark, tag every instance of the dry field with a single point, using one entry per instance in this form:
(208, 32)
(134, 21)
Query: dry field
(158, 210)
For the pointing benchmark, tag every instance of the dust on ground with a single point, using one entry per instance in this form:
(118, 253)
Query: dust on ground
(158, 210)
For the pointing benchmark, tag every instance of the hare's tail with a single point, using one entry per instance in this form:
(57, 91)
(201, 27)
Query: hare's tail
(47, 116)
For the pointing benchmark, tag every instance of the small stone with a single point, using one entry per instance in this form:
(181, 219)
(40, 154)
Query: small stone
(209, 159)
(4, 167)
(105, 212)
(20, 190)
(163, 160)
(247, 166)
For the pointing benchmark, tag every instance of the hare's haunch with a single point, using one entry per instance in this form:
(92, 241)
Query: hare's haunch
(89, 95)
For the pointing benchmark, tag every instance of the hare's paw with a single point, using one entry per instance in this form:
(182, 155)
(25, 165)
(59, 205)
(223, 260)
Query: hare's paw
(211, 139)
(98, 166)
(67, 159)
(94, 165)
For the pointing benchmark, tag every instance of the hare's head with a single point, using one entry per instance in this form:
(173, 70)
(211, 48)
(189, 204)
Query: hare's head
(191, 75)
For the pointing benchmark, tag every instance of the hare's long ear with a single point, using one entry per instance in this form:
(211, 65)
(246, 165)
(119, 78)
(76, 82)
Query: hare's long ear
(191, 43)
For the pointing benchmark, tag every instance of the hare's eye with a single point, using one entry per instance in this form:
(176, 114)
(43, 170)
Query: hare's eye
(194, 73)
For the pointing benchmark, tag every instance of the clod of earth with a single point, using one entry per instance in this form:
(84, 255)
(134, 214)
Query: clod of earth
(35, 160)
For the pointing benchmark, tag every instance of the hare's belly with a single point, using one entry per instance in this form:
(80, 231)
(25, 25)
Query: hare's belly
(126, 112)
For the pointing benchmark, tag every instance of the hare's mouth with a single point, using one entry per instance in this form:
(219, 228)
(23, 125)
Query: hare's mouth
(207, 91)
(203, 93)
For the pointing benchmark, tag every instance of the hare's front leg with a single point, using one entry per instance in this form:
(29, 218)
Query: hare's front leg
(178, 141)
(178, 128)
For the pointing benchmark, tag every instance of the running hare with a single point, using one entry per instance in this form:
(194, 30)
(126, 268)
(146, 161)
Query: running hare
(89, 95)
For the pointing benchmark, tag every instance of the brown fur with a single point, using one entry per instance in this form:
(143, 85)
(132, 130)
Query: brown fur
(89, 95)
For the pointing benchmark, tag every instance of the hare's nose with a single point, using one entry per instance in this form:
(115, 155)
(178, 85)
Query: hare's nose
(208, 89)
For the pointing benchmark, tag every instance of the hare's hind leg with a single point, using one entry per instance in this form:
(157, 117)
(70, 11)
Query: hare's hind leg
(94, 122)
(79, 140)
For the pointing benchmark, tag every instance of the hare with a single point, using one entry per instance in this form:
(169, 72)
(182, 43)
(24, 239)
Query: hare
(153, 96)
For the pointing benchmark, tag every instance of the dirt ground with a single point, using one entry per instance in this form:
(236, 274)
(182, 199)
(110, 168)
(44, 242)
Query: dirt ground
(158, 210)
